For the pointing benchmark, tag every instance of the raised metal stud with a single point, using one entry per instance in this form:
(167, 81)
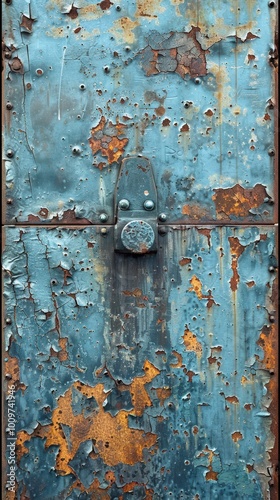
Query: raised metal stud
(10, 153)
(9, 105)
(103, 217)
(162, 217)
(124, 204)
(149, 205)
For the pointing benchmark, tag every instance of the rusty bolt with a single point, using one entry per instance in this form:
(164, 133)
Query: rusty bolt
(124, 204)
(118, 8)
(106, 69)
(9, 105)
(162, 217)
(16, 64)
(8, 321)
(271, 4)
(149, 205)
(103, 217)
(82, 86)
(271, 152)
(28, 86)
(10, 153)
(9, 201)
(103, 230)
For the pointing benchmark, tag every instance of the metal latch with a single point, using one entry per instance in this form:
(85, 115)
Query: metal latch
(135, 203)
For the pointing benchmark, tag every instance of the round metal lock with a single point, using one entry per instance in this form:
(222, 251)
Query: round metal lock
(137, 236)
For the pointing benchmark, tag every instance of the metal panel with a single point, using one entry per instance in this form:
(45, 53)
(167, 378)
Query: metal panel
(187, 84)
(141, 376)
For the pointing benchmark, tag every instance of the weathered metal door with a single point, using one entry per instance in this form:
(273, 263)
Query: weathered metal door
(139, 259)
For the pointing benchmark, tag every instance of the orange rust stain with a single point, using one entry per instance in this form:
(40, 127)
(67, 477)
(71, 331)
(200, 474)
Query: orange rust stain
(209, 112)
(62, 355)
(139, 395)
(236, 436)
(100, 427)
(232, 399)
(250, 284)
(166, 122)
(185, 128)
(108, 139)
(23, 437)
(248, 406)
(105, 4)
(110, 477)
(206, 232)
(191, 342)
(12, 369)
(197, 288)
(148, 8)
(94, 491)
(237, 200)
(195, 429)
(236, 249)
(194, 211)
(211, 475)
(249, 468)
(135, 293)
(160, 111)
(179, 360)
(163, 393)
(268, 342)
(184, 261)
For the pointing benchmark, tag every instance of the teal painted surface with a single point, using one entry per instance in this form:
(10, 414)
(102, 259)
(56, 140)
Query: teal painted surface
(78, 70)
(82, 315)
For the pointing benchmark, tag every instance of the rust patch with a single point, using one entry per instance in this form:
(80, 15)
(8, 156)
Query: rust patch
(236, 436)
(100, 427)
(209, 112)
(108, 138)
(166, 122)
(197, 288)
(206, 232)
(194, 211)
(94, 491)
(23, 437)
(232, 399)
(191, 342)
(16, 65)
(105, 4)
(27, 23)
(237, 200)
(184, 261)
(179, 360)
(248, 406)
(163, 393)
(268, 342)
(139, 395)
(236, 249)
(174, 52)
(62, 354)
(185, 128)
(68, 217)
(250, 284)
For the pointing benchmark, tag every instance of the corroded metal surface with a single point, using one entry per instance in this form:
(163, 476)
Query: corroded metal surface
(147, 376)
(141, 376)
(187, 84)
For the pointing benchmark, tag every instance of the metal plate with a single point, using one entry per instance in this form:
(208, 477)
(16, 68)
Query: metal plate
(141, 376)
(187, 84)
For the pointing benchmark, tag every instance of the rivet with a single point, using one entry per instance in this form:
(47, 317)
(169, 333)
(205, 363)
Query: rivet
(162, 217)
(127, 49)
(106, 69)
(9, 201)
(272, 318)
(39, 72)
(149, 205)
(103, 217)
(82, 86)
(54, 282)
(103, 230)
(118, 8)
(124, 204)
(9, 105)
(8, 376)
(271, 269)
(10, 153)
(28, 86)
(162, 230)
(8, 321)
(197, 81)
(8, 55)
(271, 4)
(271, 152)
(76, 150)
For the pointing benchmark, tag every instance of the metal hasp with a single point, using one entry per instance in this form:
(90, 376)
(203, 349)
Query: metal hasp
(135, 207)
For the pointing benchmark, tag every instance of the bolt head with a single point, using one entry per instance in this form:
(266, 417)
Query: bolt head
(76, 150)
(82, 86)
(272, 318)
(124, 204)
(9, 105)
(9, 201)
(8, 321)
(271, 4)
(103, 217)
(149, 205)
(10, 153)
(162, 217)
(271, 152)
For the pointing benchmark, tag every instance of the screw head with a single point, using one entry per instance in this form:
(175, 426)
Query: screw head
(149, 205)
(103, 217)
(9, 105)
(162, 217)
(271, 152)
(10, 153)
(124, 204)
